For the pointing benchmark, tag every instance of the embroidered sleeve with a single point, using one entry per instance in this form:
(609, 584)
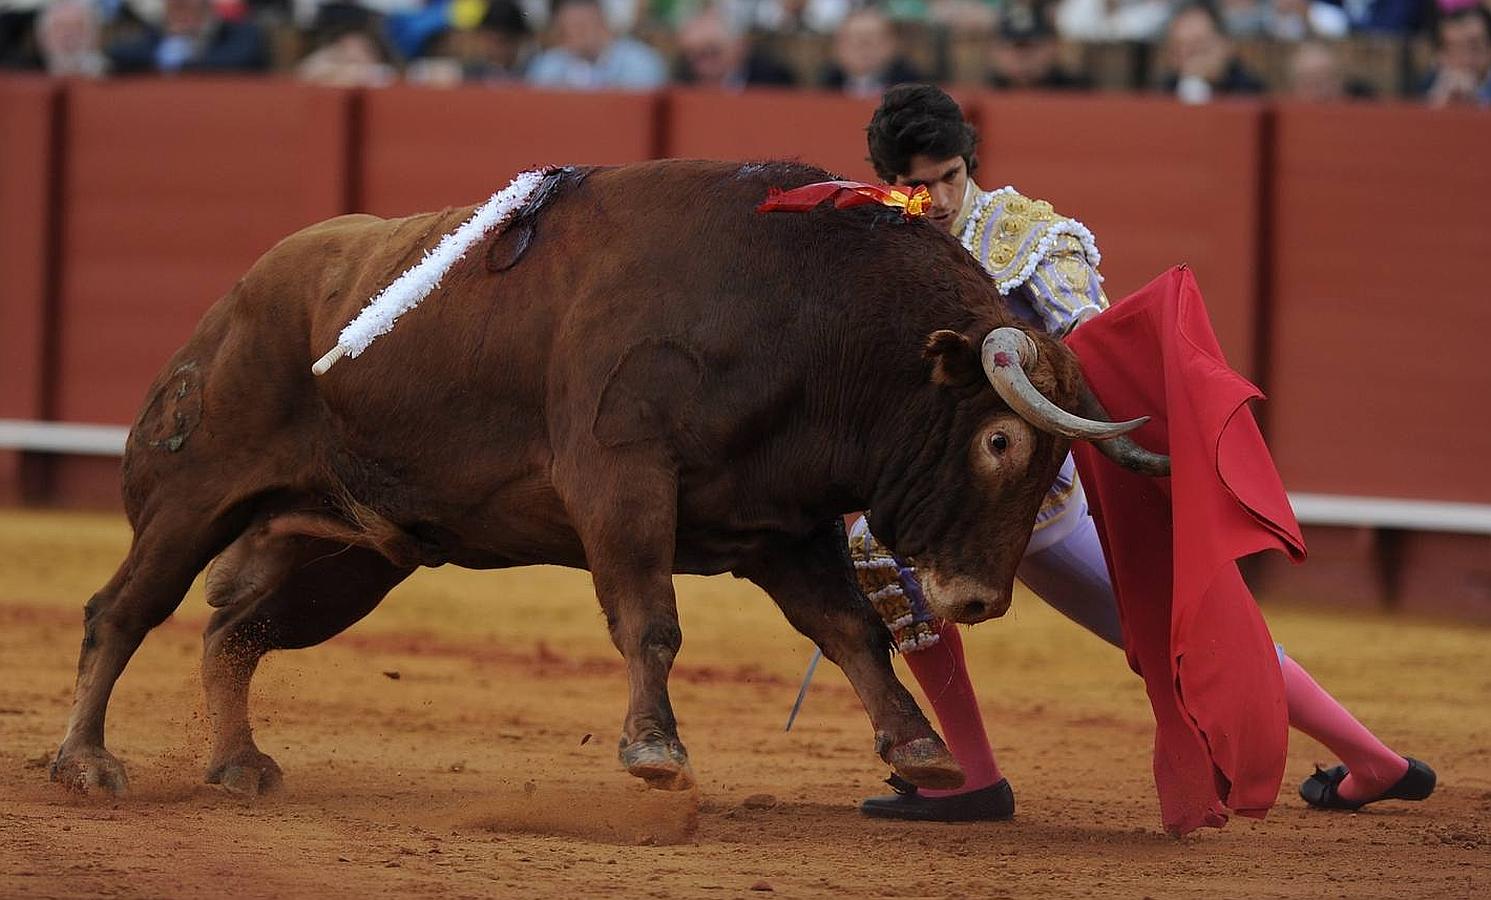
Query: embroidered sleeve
(1049, 260)
(1065, 288)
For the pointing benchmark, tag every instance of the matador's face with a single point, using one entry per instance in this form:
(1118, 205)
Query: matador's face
(946, 180)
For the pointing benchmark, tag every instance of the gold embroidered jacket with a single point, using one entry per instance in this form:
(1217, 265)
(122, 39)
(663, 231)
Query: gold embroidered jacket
(1044, 264)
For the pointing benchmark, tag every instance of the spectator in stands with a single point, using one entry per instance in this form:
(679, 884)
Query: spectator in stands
(273, 10)
(588, 56)
(1242, 19)
(1462, 46)
(68, 39)
(1024, 54)
(1201, 57)
(1401, 17)
(623, 16)
(866, 59)
(412, 30)
(791, 16)
(714, 52)
(17, 39)
(1316, 75)
(1112, 20)
(308, 9)
(350, 50)
(1299, 20)
(192, 38)
(490, 50)
(957, 16)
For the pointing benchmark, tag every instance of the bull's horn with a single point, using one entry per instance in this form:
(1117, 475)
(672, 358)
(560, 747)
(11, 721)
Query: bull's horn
(1123, 450)
(1006, 353)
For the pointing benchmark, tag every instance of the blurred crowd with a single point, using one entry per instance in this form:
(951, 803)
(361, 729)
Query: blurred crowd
(1319, 50)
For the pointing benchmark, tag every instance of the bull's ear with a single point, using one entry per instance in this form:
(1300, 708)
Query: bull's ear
(954, 361)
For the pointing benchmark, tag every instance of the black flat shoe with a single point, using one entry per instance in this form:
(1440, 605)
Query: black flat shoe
(1319, 790)
(994, 803)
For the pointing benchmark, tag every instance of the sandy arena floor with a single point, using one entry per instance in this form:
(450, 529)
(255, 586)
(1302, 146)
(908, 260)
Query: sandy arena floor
(461, 743)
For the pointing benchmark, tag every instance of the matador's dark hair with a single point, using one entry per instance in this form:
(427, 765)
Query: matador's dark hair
(918, 118)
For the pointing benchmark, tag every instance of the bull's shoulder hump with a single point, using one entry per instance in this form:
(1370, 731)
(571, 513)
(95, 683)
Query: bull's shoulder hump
(358, 238)
(341, 229)
(359, 226)
(342, 223)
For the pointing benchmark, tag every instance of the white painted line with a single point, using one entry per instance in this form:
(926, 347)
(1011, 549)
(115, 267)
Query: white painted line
(62, 437)
(1381, 512)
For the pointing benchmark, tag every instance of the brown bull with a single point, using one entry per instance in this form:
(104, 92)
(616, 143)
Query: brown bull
(643, 376)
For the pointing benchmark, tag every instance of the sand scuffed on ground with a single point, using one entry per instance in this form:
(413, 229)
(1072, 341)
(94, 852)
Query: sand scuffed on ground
(461, 742)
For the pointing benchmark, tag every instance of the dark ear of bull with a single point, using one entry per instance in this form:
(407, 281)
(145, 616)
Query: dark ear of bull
(955, 362)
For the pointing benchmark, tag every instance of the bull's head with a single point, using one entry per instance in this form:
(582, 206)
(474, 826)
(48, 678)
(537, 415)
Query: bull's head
(968, 532)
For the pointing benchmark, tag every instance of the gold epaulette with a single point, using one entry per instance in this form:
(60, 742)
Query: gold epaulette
(1010, 234)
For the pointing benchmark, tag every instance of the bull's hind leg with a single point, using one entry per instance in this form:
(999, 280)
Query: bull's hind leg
(625, 511)
(276, 590)
(169, 550)
(813, 584)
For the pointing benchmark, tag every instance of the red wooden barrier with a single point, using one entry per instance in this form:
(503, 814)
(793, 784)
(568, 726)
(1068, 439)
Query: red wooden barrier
(26, 154)
(424, 149)
(1422, 572)
(171, 190)
(1381, 243)
(1158, 184)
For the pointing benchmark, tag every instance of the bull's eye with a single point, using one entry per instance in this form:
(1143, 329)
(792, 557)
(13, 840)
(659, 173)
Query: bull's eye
(998, 443)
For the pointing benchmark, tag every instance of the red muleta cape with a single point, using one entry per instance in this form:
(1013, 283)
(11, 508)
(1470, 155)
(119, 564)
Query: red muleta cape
(1192, 629)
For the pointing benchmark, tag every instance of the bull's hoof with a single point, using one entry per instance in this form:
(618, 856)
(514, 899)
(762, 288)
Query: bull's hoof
(926, 762)
(247, 774)
(661, 762)
(90, 770)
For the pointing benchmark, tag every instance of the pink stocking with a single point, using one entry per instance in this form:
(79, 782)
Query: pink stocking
(1373, 766)
(943, 675)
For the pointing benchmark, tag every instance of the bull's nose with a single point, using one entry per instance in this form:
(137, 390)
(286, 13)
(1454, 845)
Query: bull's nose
(982, 609)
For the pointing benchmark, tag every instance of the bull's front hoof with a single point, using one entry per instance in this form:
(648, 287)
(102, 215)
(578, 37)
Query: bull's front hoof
(90, 770)
(662, 763)
(926, 762)
(248, 774)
